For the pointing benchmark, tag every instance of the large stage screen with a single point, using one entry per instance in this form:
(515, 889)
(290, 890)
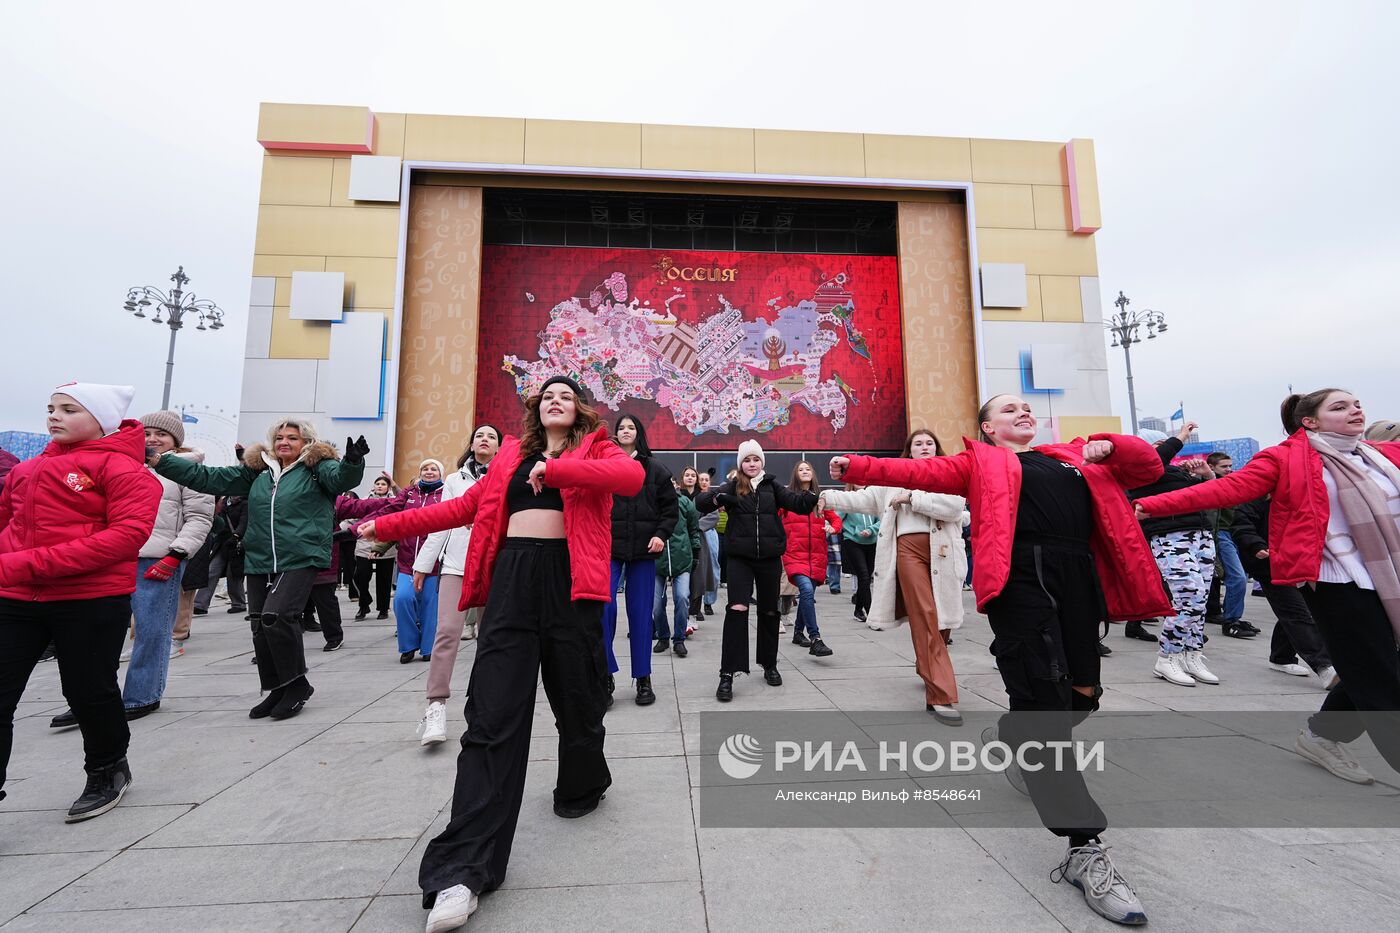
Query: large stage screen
(703, 347)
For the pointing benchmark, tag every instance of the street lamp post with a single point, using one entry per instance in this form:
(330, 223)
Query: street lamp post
(176, 306)
(1124, 327)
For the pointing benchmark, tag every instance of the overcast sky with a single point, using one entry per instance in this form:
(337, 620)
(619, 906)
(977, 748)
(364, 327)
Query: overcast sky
(1245, 154)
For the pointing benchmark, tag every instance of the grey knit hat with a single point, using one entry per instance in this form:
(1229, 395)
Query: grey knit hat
(167, 421)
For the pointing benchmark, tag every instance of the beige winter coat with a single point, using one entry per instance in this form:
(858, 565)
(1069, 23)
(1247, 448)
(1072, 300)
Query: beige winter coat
(184, 518)
(948, 560)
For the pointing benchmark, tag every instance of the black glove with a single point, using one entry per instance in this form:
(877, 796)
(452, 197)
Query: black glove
(355, 450)
(727, 500)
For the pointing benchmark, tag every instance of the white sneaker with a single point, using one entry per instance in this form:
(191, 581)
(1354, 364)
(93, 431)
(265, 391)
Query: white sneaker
(1194, 663)
(176, 649)
(1106, 892)
(1172, 669)
(782, 626)
(432, 730)
(126, 654)
(1296, 669)
(1328, 676)
(1332, 756)
(454, 905)
(469, 631)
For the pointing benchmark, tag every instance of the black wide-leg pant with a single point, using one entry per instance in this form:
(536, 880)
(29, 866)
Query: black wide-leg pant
(531, 627)
(750, 577)
(1046, 623)
(276, 602)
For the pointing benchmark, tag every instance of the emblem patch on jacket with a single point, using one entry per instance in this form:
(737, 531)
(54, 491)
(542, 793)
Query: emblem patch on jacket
(79, 482)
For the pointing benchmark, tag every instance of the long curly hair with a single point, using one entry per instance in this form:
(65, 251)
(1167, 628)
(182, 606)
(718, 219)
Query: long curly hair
(533, 439)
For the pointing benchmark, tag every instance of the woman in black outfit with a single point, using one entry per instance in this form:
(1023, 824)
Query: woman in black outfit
(754, 546)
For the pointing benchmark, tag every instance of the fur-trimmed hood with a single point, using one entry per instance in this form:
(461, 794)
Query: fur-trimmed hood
(311, 455)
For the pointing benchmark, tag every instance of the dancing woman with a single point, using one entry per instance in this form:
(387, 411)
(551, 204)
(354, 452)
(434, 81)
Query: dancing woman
(804, 560)
(1057, 550)
(538, 561)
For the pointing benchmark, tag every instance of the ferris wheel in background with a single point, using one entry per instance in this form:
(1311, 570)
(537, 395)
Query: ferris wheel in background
(212, 430)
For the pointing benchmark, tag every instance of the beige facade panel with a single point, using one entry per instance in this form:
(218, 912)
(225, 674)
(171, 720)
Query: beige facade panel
(1051, 207)
(697, 148)
(1031, 312)
(464, 139)
(314, 124)
(796, 152)
(1044, 252)
(934, 158)
(1082, 171)
(570, 142)
(295, 180)
(282, 267)
(1018, 162)
(1004, 206)
(1072, 426)
(1061, 298)
(298, 340)
(369, 282)
(329, 231)
(340, 184)
(388, 133)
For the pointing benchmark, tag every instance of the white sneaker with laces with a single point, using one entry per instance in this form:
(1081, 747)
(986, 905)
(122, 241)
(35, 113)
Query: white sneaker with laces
(1296, 669)
(432, 730)
(176, 649)
(454, 905)
(1329, 678)
(1107, 893)
(1194, 663)
(1170, 667)
(1333, 756)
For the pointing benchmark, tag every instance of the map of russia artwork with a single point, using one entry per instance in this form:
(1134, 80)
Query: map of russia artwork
(704, 348)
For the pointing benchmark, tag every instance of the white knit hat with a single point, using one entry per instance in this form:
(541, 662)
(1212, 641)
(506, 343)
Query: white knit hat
(1151, 436)
(108, 404)
(751, 447)
(436, 463)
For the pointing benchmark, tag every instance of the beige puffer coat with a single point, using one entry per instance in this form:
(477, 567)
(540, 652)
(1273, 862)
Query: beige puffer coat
(185, 516)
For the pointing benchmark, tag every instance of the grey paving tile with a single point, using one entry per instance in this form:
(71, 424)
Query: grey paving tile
(628, 908)
(26, 880)
(324, 916)
(37, 832)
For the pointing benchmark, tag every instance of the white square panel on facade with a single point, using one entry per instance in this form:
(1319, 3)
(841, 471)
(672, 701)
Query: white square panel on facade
(318, 296)
(264, 288)
(353, 383)
(1090, 299)
(259, 333)
(374, 178)
(1054, 366)
(279, 385)
(1003, 285)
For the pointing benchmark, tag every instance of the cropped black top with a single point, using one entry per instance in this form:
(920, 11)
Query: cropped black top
(520, 497)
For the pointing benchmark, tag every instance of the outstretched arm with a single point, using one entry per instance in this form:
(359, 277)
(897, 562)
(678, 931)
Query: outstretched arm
(217, 481)
(938, 507)
(1258, 477)
(865, 501)
(608, 469)
(800, 502)
(948, 475)
(414, 523)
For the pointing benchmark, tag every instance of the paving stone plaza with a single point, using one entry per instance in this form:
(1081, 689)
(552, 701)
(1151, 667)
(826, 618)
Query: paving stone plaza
(318, 823)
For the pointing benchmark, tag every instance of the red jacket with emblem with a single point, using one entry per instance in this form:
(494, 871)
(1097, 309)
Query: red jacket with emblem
(587, 477)
(806, 543)
(990, 478)
(73, 519)
(1291, 473)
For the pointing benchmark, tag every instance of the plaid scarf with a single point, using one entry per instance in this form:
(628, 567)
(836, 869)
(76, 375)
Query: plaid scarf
(1374, 528)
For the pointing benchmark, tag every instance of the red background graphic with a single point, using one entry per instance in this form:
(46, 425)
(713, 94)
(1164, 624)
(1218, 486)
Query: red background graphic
(511, 324)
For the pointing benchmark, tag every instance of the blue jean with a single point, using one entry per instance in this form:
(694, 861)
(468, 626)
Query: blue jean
(680, 595)
(641, 589)
(415, 615)
(712, 539)
(806, 607)
(153, 607)
(1235, 579)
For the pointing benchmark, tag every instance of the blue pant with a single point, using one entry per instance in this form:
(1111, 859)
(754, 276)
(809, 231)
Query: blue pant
(712, 539)
(680, 595)
(1235, 579)
(416, 615)
(153, 608)
(806, 607)
(641, 589)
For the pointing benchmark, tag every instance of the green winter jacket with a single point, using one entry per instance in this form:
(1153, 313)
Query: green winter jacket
(291, 512)
(684, 542)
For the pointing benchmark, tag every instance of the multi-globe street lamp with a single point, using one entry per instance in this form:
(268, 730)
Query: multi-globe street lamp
(1124, 327)
(176, 306)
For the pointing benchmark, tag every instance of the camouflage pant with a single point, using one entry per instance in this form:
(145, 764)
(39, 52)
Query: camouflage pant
(1187, 562)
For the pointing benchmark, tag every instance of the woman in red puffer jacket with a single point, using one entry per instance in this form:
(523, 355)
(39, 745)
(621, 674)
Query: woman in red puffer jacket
(72, 522)
(804, 561)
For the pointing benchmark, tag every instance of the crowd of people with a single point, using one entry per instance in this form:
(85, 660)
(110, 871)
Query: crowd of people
(119, 529)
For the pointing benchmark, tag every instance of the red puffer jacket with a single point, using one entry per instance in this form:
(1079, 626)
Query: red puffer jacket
(1292, 473)
(587, 477)
(806, 543)
(990, 478)
(73, 520)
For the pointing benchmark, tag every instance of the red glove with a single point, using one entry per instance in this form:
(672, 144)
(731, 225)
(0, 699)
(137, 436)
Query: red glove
(164, 568)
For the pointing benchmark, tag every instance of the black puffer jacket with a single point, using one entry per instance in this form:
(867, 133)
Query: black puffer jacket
(1250, 531)
(1173, 478)
(651, 513)
(755, 530)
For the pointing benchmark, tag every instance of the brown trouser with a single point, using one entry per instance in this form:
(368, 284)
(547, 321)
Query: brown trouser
(448, 639)
(184, 615)
(915, 599)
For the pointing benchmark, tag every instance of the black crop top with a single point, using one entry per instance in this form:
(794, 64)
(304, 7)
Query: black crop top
(520, 497)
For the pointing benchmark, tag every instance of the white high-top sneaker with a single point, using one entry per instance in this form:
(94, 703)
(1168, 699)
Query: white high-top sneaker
(433, 729)
(1170, 667)
(1194, 663)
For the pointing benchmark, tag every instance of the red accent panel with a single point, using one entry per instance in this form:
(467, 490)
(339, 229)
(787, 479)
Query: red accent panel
(706, 348)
